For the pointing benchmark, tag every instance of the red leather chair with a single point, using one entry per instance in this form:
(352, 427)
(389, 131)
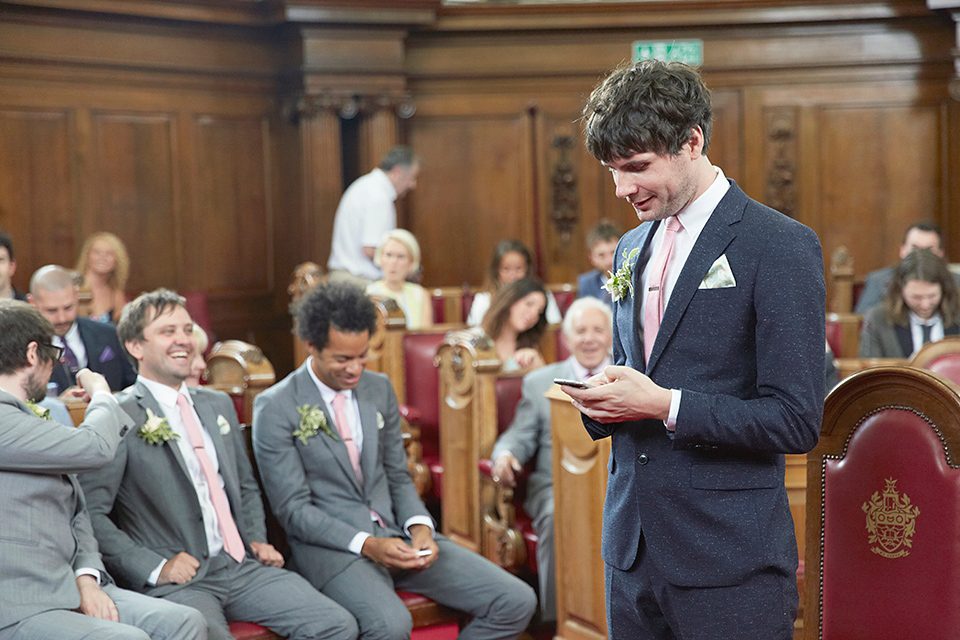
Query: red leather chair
(564, 294)
(882, 525)
(843, 334)
(942, 357)
(423, 395)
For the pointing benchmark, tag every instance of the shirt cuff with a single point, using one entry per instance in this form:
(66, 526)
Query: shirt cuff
(425, 520)
(356, 545)
(87, 571)
(155, 574)
(671, 422)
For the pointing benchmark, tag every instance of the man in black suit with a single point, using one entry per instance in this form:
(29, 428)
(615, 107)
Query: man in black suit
(85, 343)
(8, 266)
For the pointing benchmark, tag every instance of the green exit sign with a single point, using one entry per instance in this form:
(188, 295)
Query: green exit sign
(686, 51)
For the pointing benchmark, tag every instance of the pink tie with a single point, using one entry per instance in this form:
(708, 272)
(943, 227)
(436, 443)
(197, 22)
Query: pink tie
(343, 426)
(232, 543)
(653, 312)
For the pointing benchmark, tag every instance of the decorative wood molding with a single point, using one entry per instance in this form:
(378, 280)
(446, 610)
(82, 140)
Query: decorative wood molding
(346, 105)
(563, 179)
(781, 159)
(953, 6)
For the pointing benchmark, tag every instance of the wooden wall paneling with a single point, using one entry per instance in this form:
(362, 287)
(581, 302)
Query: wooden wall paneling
(474, 190)
(378, 132)
(559, 144)
(950, 172)
(37, 185)
(226, 239)
(322, 181)
(726, 141)
(133, 192)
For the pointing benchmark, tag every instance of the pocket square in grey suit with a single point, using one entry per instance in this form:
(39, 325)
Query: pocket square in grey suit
(720, 276)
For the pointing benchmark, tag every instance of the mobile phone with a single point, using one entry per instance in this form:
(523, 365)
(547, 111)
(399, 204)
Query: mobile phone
(572, 383)
(424, 552)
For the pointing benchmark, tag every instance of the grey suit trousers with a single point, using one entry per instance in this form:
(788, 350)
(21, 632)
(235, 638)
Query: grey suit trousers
(141, 617)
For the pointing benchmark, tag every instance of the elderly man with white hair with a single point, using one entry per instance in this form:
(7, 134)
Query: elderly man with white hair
(588, 329)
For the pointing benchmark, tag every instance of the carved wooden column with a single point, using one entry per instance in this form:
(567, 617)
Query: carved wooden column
(953, 6)
(322, 177)
(378, 133)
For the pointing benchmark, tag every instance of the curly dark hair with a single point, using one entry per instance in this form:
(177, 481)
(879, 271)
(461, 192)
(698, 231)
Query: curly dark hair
(499, 311)
(925, 266)
(650, 106)
(339, 306)
(21, 324)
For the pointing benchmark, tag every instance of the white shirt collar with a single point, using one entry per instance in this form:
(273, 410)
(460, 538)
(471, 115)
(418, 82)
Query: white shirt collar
(165, 396)
(694, 217)
(581, 372)
(326, 392)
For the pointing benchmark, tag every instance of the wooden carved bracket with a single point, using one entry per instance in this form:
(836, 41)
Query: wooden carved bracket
(566, 203)
(346, 105)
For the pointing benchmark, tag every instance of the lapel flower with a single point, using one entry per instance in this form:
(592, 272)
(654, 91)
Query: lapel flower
(380, 422)
(621, 283)
(312, 420)
(40, 412)
(224, 425)
(156, 429)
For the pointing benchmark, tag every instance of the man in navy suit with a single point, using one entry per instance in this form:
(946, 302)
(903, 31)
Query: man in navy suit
(86, 343)
(698, 540)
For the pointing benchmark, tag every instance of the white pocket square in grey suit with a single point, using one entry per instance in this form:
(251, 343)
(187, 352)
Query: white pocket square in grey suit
(720, 276)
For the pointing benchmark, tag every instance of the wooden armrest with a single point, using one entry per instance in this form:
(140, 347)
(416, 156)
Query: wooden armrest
(502, 542)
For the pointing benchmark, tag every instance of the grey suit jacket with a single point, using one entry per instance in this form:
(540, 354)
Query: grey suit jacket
(45, 532)
(881, 338)
(312, 487)
(529, 432)
(709, 500)
(143, 504)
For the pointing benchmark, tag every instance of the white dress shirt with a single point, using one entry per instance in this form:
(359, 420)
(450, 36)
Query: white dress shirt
(935, 322)
(693, 218)
(76, 345)
(353, 417)
(166, 397)
(367, 210)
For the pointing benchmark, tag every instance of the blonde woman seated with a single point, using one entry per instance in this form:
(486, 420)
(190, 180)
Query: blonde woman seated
(398, 256)
(920, 305)
(104, 265)
(516, 322)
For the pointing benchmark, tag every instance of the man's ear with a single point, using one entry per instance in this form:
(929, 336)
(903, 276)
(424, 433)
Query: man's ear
(135, 349)
(13, 267)
(31, 299)
(33, 355)
(696, 142)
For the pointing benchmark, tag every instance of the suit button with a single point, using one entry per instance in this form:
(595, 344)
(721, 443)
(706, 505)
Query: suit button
(643, 459)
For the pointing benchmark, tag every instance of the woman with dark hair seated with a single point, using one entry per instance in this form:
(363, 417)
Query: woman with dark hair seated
(516, 322)
(920, 305)
(511, 260)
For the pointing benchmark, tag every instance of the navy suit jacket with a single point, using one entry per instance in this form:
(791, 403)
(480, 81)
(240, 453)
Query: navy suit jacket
(710, 500)
(591, 284)
(105, 355)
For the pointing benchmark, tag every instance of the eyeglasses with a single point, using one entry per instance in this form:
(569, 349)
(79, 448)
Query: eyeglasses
(57, 351)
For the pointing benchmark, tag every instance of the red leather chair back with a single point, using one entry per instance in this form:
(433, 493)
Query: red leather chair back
(565, 299)
(423, 386)
(439, 313)
(508, 390)
(465, 303)
(883, 524)
(947, 365)
(563, 351)
(834, 336)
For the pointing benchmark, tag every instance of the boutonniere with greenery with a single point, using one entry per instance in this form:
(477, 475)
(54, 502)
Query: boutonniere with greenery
(224, 425)
(312, 420)
(156, 429)
(380, 421)
(621, 283)
(40, 412)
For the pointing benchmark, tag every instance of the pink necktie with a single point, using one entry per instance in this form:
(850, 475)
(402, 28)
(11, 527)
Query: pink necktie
(653, 312)
(232, 543)
(343, 426)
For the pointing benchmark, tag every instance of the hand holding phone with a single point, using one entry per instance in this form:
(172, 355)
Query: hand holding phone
(424, 552)
(564, 382)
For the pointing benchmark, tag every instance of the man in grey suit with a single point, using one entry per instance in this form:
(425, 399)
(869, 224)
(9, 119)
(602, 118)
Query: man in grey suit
(718, 347)
(177, 512)
(588, 330)
(53, 584)
(329, 447)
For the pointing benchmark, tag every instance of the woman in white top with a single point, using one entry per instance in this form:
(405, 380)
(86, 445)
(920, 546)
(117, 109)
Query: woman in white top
(511, 261)
(398, 256)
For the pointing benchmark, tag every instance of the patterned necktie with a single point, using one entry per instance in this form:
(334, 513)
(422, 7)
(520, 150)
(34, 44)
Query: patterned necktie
(73, 365)
(343, 427)
(232, 543)
(653, 312)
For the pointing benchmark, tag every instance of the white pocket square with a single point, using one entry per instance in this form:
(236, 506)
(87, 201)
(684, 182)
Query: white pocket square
(720, 276)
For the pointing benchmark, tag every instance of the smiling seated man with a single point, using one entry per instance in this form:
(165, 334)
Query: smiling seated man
(329, 446)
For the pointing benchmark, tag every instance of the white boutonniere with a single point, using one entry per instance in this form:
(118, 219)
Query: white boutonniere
(312, 420)
(156, 429)
(621, 283)
(224, 425)
(379, 420)
(41, 412)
